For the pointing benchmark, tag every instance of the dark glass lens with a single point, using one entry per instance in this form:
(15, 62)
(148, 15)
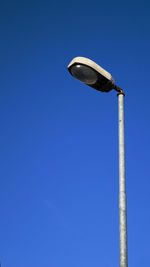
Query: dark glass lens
(84, 74)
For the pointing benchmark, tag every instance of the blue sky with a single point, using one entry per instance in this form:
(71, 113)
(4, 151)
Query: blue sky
(59, 137)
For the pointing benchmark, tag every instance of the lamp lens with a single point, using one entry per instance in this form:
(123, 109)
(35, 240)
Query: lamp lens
(84, 74)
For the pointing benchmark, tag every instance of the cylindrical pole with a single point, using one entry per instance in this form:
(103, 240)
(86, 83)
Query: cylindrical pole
(122, 186)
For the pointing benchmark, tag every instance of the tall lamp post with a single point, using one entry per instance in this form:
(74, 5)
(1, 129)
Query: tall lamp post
(93, 75)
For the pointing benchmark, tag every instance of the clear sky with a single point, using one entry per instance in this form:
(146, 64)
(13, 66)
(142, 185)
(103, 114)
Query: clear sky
(59, 137)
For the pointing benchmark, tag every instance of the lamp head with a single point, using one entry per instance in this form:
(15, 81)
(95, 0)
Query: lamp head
(88, 72)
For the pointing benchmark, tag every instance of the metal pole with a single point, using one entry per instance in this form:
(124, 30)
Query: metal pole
(122, 186)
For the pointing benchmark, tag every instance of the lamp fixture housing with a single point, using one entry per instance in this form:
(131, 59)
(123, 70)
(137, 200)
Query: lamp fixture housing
(91, 74)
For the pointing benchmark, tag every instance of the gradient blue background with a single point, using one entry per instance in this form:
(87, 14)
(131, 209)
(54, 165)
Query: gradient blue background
(59, 137)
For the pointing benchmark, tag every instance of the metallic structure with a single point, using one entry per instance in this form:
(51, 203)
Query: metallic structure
(122, 185)
(88, 72)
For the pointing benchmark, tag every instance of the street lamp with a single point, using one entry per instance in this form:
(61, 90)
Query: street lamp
(95, 76)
